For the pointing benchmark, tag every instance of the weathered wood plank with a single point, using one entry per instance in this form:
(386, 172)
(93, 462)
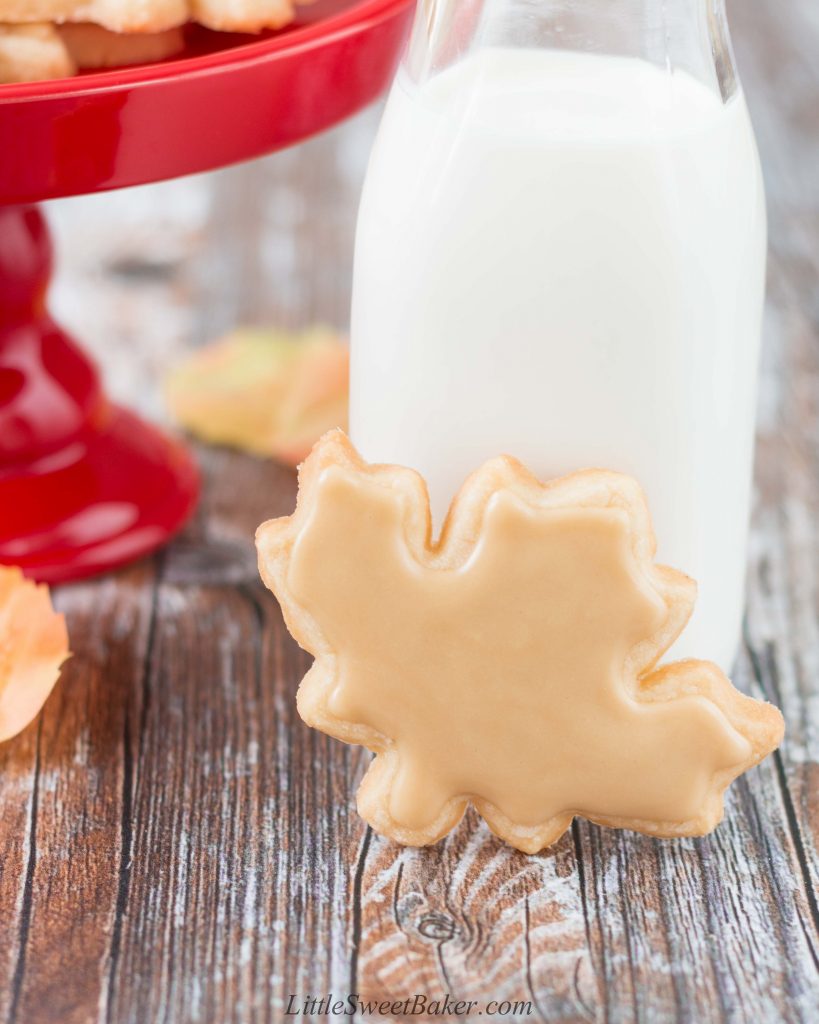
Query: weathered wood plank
(782, 634)
(70, 830)
(176, 846)
(19, 793)
(473, 919)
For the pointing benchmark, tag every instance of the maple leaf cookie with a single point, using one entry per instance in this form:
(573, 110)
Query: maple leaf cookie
(509, 664)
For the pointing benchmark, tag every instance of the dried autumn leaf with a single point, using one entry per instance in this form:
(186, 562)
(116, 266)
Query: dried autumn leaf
(511, 664)
(266, 392)
(33, 646)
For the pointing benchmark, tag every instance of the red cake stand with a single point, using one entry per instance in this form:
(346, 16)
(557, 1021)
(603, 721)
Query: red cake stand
(86, 485)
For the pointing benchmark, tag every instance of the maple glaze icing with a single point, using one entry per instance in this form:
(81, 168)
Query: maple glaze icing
(502, 679)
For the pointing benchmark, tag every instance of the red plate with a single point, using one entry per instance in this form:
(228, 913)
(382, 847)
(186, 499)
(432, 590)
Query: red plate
(223, 100)
(85, 486)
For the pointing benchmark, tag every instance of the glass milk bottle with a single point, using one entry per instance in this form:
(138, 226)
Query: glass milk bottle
(561, 256)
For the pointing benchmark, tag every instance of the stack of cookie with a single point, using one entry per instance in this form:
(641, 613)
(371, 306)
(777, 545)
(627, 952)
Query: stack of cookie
(56, 38)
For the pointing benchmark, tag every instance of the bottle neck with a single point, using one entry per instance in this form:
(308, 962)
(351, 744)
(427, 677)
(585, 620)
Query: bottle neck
(677, 35)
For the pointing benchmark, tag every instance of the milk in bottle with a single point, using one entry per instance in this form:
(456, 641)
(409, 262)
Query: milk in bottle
(560, 256)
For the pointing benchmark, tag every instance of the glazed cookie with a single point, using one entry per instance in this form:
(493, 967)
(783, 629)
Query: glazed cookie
(153, 15)
(30, 53)
(92, 46)
(43, 39)
(117, 15)
(510, 664)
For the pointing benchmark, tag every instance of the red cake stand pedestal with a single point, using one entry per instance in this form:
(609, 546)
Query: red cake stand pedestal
(84, 484)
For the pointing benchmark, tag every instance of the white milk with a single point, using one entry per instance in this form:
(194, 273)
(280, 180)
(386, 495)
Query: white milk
(561, 256)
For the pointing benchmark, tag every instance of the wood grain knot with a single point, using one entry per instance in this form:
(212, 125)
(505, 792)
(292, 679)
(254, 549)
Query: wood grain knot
(437, 926)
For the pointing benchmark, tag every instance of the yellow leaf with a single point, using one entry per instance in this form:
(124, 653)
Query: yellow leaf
(266, 392)
(33, 646)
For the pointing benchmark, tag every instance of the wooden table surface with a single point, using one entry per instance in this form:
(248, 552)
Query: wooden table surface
(176, 846)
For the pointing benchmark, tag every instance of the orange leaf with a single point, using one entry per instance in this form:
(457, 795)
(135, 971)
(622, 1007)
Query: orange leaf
(266, 392)
(33, 646)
